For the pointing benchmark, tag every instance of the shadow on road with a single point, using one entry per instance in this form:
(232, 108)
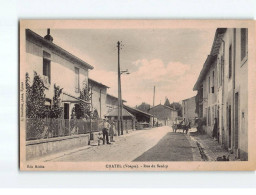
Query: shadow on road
(172, 147)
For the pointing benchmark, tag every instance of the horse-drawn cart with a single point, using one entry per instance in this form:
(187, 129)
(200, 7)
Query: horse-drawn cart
(181, 126)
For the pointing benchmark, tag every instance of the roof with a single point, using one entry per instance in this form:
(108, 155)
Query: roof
(217, 40)
(114, 97)
(70, 98)
(207, 65)
(98, 83)
(137, 110)
(212, 57)
(164, 107)
(114, 113)
(32, 36)
(189, 98)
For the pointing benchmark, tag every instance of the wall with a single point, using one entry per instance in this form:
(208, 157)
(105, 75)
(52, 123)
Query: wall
(59, 65)
(99, 96)
(189, 108)
(210, 99)
(111, 103)
(241, 87)
(163, 113)
(40, 148)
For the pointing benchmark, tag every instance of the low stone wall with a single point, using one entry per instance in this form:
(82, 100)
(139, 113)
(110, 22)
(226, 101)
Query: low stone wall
(40, 148)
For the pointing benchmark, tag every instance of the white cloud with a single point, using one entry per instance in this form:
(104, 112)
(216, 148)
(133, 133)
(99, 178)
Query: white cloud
(156, 70)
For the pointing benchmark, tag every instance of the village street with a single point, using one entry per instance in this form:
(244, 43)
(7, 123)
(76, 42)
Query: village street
(157, 144)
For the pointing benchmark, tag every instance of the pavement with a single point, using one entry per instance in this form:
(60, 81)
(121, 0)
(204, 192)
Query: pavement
(156, 144)
(209, 148)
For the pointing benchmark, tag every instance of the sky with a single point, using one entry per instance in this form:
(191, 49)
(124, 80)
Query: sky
(169, 59)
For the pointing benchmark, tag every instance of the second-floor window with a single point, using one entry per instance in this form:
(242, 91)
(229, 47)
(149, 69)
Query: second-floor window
(230, 62)
(221, 70)
(77, 87)
(213, 82)
(47, 65)
(243, 43)
(209, 84)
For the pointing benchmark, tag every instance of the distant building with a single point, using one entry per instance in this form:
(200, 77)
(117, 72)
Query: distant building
(140, 116)
(189, 109)
(164, 114)
(98, 98)
(223, 89)
(111, 103)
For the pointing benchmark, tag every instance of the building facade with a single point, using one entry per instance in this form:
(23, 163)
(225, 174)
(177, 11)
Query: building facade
(49, 60)
(98, 98)
(223, 89)
(165, 115)
(189, 109)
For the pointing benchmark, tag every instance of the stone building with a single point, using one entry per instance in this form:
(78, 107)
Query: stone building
(223, 89)
(111, 102)
(165, 115)
(98, 98)
(189, 109)
(49, 60)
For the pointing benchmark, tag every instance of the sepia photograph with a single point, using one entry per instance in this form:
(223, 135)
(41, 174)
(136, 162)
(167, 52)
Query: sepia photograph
(136, 95)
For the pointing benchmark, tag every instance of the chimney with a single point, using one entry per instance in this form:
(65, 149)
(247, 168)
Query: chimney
(48, 36)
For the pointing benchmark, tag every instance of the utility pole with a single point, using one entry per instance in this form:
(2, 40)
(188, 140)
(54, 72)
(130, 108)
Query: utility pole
(154, 96)
(120, 102)
(154, 104)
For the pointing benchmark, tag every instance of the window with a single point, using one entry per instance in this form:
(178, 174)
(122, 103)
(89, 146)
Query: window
(47, 69)
(209, 84)
(221, 70)
(230, 62)
(77, 87)
(213, 115)
(47, 65)
(209, 116)
(243, 43)
(213, 82)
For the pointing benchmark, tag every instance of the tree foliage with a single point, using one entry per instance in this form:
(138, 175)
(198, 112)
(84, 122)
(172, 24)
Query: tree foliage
(177, 106)
(35, 98)
(36, 110)
(82, 110)
(167, 102)
(144, 107)
(56, 109)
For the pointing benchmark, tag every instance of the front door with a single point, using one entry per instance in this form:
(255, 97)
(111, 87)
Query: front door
(236, 134)
(66, 118)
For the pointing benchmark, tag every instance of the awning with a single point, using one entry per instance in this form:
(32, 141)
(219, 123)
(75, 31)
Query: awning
(114, 113)
(69, 98)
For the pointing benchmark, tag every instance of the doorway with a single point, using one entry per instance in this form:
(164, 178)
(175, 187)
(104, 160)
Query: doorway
(229, 126)
(236, 133)
(66, 118)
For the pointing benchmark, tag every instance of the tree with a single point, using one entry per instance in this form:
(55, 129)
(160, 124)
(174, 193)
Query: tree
(144, 107)
(167, 103)
(56, 110)
(35, 97)
(82, 110)
(35, 107)
(37, 112)
(177, 106)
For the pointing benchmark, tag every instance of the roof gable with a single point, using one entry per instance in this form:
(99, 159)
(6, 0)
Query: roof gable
(37, 39)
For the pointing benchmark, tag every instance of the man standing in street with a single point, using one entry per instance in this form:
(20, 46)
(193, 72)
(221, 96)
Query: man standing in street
(105, 131)
(112, 131)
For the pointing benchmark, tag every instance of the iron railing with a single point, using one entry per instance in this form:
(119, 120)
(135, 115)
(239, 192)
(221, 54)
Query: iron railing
(37, 128)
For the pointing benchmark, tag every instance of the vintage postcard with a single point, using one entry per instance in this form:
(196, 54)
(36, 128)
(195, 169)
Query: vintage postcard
(137, 95)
